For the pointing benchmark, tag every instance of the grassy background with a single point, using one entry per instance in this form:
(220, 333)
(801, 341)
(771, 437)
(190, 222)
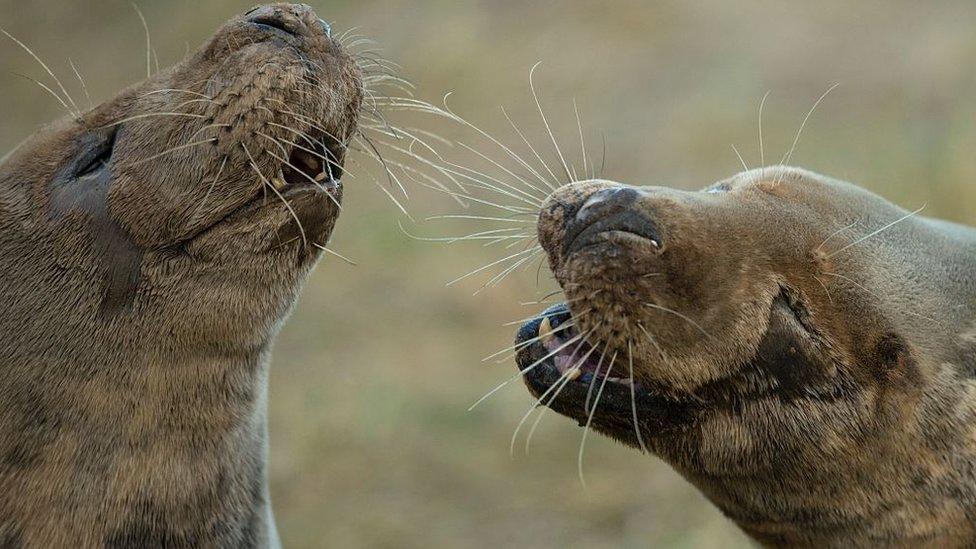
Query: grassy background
(371, 444)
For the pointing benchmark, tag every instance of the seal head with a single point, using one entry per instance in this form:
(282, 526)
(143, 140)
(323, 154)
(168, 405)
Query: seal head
(797, 347)
(151, 250)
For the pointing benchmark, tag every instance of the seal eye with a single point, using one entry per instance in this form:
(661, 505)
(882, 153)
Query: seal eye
(97, 158)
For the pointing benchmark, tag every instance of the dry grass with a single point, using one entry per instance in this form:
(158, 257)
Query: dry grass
(371, 444)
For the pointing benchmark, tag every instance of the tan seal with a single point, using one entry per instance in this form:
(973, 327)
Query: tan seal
(151, 249)
(798, 348)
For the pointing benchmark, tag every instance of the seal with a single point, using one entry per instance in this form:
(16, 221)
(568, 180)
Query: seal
(800, 349)
(151, 250)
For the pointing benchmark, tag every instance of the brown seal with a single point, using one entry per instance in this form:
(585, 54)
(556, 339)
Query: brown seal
(151, 249)
(800, 349)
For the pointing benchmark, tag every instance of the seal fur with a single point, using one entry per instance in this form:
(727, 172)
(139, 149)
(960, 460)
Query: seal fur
(797, 347)
(151, 250)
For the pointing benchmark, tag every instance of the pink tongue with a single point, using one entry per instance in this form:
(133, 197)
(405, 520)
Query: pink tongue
(563, 363)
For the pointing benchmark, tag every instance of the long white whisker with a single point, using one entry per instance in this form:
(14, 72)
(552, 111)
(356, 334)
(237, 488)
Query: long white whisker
(633, 398)
(796, 138)
(762, 152)
(268, 184)
(879, 231)
(528, 369)
(545, 121)
(586, 430)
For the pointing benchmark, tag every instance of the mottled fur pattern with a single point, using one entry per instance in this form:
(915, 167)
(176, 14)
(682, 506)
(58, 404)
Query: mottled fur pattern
(142, 294)
(814, 374)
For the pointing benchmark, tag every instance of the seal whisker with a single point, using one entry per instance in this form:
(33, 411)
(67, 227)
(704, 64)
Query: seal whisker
(306, 176)
(586, 430)
(411, 154)
(515, 210)
(879, 298)
(563, 379)
(739, 156)
(482, 184)
(67, 96)
(172, 150)
(453, 239)
(488, 266)
(529, 368)
(46, 88)
(145, 28)
(84, 86)
(385, 191)
(267, 184)
(210, 189)
(447, 113)
(762, 151)
(152, 114)
(413, 174)
(684, 317)
(796, 138)
(824, 286)
(833, 234)
(879, 231)
(335, 253)
(653, 341)
(480, 218)
(579, 126)
(633, 397)
(501, 276)
(523, 344)
(507, 171)
(364, 140)
(555, 180)
(596, 375)
(542, 412)
(177, 90)
(545, 121)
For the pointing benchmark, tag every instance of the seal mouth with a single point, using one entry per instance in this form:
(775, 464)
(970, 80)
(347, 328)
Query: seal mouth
(318, 161)
(552, 351)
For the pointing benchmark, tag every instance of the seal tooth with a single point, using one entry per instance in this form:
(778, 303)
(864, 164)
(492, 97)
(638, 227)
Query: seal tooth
(321, 177)
(279, 180)
(545, 331)
(574, 374)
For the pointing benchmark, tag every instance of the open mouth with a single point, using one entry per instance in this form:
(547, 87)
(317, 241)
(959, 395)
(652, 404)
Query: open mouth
(317, 160)
(551, 347)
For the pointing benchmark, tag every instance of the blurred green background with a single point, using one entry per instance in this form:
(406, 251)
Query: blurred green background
(371, 444)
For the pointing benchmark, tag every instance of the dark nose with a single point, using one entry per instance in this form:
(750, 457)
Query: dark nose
(606, 202)
(297, 19)
(611, 209)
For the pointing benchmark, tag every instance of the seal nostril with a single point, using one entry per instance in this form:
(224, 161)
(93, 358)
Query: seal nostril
(273, 23)
(606, 200)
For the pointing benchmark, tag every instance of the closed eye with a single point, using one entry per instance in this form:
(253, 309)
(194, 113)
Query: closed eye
(97, 158)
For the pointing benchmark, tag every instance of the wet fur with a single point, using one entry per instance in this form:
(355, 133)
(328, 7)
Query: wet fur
(142, 302)
(831, 399)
